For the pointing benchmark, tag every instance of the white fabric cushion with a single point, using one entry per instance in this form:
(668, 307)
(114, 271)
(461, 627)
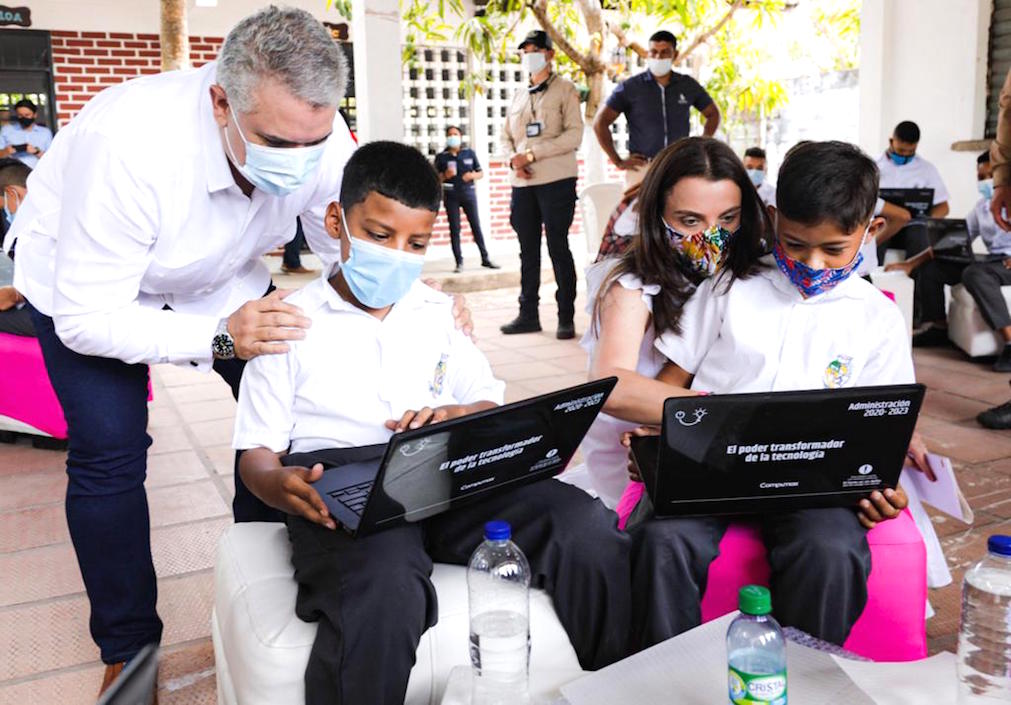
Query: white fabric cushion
(262, 648)
(966, 327)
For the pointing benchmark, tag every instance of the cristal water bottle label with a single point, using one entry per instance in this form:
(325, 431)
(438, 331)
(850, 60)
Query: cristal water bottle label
(746, 689)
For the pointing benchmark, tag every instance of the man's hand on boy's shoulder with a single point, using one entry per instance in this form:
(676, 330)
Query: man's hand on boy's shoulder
(881, 506)
(461, 314)
(290, 490)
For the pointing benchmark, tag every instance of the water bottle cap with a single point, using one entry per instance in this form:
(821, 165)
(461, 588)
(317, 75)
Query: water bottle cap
(497, 531)
(754, 599)
(1001, 545)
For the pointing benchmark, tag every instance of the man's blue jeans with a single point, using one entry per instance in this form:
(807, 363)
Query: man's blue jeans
(105, 404)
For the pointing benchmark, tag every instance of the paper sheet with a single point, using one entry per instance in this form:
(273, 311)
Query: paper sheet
(943, 494)
(932, 680)
(938, 574)
(692, 670)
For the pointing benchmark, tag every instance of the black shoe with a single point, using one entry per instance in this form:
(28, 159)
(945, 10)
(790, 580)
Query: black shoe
(566, 331)
(521, 324)
(1003, 362)
(930, 337)
(998, 417)
(489, 264)
(459, 268)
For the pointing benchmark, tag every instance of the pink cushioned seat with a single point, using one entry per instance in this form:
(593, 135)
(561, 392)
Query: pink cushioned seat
(893, 624)
(26, 394)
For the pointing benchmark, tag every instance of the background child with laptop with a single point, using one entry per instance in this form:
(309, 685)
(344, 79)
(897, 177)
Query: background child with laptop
(802, 322)
(383, 354)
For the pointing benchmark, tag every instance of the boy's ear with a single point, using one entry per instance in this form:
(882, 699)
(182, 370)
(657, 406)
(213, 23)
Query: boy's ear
(877, 225)
(771, 210)
(333, 220)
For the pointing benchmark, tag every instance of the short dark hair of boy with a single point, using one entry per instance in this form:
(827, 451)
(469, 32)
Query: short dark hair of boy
(13, 173)
(831, 182)
(984, 158)
(664, 36)
(393, 170)
(907, 131)
(755, 152)
(25, 103)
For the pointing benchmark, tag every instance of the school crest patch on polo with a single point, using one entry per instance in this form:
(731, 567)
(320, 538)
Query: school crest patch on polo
(439, 378)
(838, 372)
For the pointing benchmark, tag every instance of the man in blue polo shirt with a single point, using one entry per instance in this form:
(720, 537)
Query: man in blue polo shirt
(458, 169)
(656, 104)
(23, 139)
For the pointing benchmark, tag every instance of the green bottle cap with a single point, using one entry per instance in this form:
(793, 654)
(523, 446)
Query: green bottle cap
(754, 599)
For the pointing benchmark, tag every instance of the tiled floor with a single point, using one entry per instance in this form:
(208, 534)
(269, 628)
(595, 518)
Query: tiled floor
(46, 655)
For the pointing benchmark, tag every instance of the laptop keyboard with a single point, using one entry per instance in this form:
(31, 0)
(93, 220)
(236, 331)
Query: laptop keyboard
(353, 497)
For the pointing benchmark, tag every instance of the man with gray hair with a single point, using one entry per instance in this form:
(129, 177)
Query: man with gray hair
(135, 249)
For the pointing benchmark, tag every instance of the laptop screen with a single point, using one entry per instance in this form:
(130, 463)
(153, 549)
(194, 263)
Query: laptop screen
(917, 201)
(427, 469)
(805, 443)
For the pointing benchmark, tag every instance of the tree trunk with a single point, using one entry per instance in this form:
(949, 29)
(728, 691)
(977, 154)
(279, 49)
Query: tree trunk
(175, 40)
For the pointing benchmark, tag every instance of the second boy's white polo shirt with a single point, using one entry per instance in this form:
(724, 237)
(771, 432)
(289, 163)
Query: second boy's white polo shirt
(918, 173)
(353, 372)
(762, 336)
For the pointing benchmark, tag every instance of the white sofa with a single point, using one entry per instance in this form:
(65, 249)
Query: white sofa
(261, 648)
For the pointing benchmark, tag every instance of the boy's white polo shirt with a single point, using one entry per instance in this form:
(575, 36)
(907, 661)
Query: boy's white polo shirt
(918, 173)
(761, 335)
(353, 372)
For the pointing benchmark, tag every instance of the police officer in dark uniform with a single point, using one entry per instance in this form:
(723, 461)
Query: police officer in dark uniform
(459, 169)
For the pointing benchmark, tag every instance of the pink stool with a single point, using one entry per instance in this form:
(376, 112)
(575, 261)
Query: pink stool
(26, 397)
(28, 403)
(893, 624)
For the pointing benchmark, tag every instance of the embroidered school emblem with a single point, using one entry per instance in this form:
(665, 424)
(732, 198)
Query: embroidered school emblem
(838, 372)
(439, 378)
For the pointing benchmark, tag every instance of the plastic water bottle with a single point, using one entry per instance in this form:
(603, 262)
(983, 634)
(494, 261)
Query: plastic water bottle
(756, 651)
(984, 640)
(498, 580)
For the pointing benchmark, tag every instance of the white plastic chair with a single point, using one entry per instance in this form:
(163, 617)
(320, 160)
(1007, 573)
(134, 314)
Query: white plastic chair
(596, 203)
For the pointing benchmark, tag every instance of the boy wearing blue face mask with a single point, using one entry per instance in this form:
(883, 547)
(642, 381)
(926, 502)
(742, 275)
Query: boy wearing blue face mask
(758, 171)
(803, 322)
(901, 167)
(983, 279)
(383, 355)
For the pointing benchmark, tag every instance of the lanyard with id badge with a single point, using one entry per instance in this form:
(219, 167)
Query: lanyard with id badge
(535, 127)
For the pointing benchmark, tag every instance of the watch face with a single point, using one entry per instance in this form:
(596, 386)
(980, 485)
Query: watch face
(223, 347)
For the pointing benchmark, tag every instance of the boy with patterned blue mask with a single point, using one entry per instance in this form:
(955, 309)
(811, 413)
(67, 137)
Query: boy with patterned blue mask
(807, 323)
(383, 355)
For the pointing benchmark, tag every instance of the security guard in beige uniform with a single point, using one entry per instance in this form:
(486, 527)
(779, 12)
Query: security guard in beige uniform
(541, 136)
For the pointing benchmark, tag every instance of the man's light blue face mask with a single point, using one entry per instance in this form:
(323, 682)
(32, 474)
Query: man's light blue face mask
(378, 276)
(276, 170)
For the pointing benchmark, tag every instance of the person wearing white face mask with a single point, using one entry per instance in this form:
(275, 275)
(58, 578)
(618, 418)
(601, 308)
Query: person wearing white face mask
(14, 317)
(983, 278)
(541, 134)
(656, 103)
(134, 250)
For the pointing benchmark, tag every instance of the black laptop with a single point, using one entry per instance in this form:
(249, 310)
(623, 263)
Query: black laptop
(949, 238)
(137, 683)
(750, 453)
(426, 471)
(917, 201)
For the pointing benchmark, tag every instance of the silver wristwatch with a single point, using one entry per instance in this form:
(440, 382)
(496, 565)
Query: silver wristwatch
(222, 346)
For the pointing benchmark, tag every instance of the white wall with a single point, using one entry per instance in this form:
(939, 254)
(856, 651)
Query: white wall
(925, 61)
(142, 16)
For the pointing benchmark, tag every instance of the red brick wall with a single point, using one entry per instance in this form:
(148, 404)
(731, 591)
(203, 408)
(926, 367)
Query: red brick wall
(86, 62)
